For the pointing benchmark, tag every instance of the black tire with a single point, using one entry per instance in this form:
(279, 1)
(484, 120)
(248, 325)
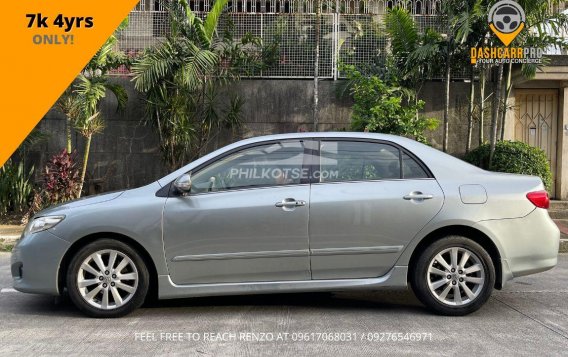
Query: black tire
(137, 297)
(419, 277)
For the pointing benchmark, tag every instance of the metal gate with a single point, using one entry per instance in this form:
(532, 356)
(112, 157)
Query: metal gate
(536, 122)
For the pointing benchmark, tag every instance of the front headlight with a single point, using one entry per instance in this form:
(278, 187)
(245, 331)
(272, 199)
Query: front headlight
(42, 223)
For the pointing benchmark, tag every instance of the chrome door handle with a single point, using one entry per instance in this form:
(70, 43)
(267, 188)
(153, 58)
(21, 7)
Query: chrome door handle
(418, 196)
(290, 202)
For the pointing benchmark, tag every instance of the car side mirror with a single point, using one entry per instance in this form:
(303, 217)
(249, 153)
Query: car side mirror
(183, 184)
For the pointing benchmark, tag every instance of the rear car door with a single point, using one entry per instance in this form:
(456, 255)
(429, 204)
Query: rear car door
(368, 201)
(245, 219)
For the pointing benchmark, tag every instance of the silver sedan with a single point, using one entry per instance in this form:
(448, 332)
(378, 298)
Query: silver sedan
(296, 212)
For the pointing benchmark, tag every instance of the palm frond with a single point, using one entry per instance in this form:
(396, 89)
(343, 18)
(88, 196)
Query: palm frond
(212, 18)
(156, 63)
(36, 136)
(68, 104)
(90, 91)
(120, 94)
(402, 31)
(197, 64)
(90, 125)
(233, 114)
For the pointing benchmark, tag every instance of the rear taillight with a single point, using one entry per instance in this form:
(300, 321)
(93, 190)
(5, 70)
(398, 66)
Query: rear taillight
(539, 199)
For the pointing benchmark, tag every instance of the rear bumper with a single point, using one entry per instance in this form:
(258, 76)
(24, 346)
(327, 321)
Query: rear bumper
(527, 245)
(35, 263)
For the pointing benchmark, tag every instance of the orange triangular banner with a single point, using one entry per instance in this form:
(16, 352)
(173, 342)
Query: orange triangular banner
(35, 73)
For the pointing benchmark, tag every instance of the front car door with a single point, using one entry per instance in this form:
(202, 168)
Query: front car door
(369, 200)
(245, 218)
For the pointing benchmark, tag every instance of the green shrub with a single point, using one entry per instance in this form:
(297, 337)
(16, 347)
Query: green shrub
(513, 157)
(385, 107)
(15, 188)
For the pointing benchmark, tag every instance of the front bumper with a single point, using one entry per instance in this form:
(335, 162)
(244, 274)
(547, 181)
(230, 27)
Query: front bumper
(35, 263)
(528, 245)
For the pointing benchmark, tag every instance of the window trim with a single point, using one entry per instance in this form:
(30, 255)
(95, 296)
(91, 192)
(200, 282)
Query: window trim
(312, 149)
(169, 190)
(401, 149)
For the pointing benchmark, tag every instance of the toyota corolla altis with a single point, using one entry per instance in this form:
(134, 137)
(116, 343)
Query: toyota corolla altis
(296, 212)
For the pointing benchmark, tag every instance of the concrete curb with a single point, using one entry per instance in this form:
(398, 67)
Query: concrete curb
(10, 232)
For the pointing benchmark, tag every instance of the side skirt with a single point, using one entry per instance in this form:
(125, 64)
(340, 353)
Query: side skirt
(395, 278)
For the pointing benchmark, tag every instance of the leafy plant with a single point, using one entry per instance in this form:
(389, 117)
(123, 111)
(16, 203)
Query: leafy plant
(513, 157)
(381, 107)
(61, 182)
(15, 187)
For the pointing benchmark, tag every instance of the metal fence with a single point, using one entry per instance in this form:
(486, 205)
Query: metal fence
(351, 31)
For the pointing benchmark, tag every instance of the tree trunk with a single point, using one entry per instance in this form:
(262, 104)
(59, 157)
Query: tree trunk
(495, 112)
(68, 133)
(508, 87)
(85, 160)
(447, 78)
(316, 65)
(470, 111)
(481, 105)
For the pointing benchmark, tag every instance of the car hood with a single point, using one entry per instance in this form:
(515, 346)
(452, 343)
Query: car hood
(85, 201)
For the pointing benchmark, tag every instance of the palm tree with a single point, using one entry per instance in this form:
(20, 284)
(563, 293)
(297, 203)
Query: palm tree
(469, 25)
(88, 122)
(68, 105)
(81, 102)
(482, 99)
(181, 77)
(416, 55)
(495, 111)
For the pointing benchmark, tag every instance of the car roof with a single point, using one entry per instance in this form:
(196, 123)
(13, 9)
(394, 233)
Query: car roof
(324, 134)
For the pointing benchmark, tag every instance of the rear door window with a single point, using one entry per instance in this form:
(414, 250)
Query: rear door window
(358, 161)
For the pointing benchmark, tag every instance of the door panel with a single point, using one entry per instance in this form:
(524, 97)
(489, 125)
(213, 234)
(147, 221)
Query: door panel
(536, 122)
(237, 236)
(371, 200)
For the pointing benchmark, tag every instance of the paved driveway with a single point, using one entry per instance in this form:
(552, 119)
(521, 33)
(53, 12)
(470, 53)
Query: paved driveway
(529, 317)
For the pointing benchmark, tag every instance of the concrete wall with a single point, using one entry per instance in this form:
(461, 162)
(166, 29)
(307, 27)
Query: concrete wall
(127, 153)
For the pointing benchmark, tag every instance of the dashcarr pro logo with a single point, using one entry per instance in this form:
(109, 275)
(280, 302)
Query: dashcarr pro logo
(506, 19)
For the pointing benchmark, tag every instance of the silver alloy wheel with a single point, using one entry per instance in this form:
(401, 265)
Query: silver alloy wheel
(107, 279)
(456, 276)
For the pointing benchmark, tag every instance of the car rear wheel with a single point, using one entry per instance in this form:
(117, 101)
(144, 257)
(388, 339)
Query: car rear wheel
(453, 276)
(107, 278)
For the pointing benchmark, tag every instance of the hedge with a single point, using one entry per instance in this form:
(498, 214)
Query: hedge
(513, 157)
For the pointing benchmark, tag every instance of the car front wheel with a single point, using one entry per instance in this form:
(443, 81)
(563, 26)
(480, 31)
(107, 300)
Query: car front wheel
(453, 276)
(107, 278)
